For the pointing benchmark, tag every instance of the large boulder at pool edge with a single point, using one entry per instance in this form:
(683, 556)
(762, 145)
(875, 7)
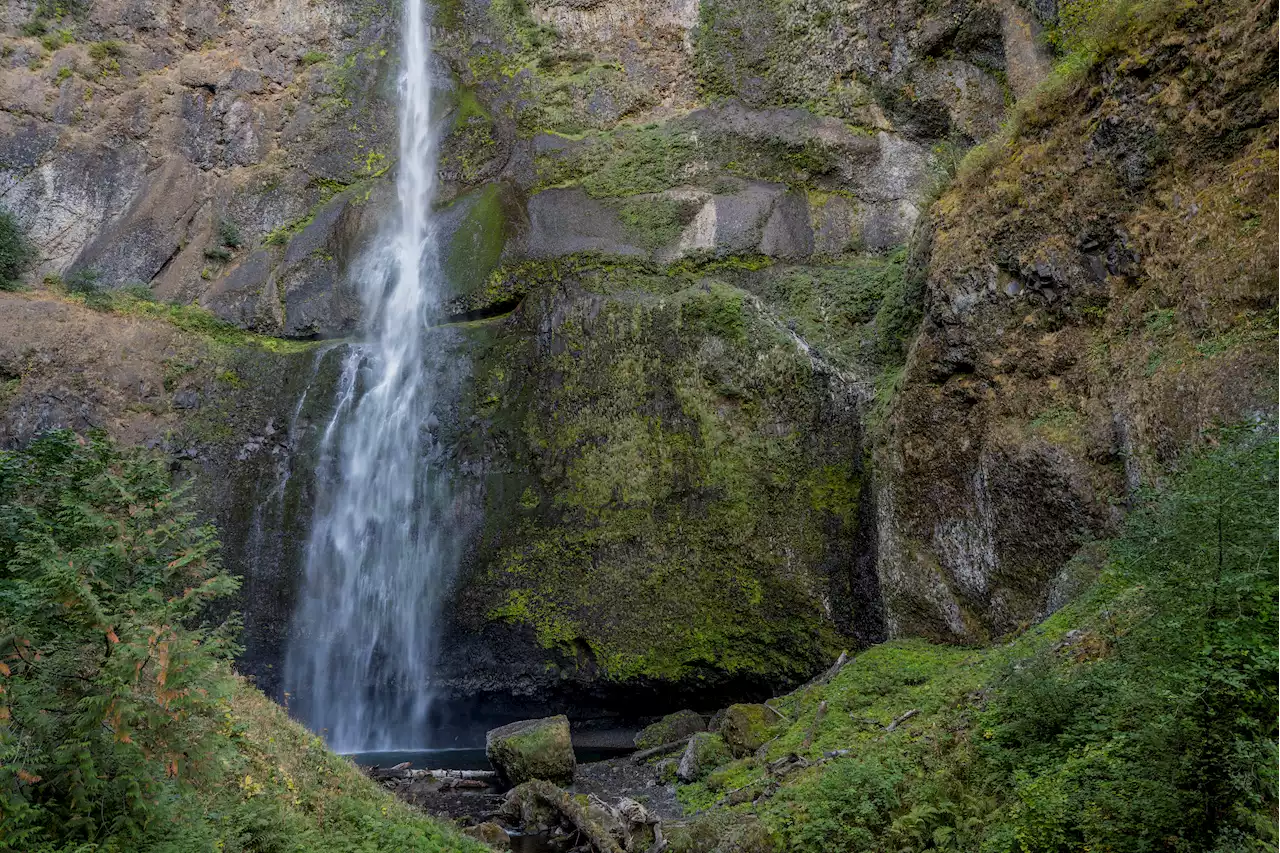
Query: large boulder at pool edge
(532, 749)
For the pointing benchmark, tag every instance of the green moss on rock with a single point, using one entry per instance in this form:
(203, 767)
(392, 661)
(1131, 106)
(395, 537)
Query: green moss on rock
(474, 248)
(669, 509)
(670, 728)
(745, 728)
(532, 749)
(704, 753)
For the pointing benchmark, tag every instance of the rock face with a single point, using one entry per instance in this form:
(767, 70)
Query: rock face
(1085, 324)
(532, 749)
(225, 158)
(672, 727)
(679, 287)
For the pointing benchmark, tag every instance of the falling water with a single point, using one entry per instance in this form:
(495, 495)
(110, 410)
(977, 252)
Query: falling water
(361, 644)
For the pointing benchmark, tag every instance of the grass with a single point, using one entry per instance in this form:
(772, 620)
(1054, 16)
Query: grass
(286, 791)
(135, 301)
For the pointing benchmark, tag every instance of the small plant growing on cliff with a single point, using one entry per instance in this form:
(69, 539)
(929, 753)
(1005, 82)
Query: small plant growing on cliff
(228, 239)
(101, 51)
(16, 251)
(85, 281)
(229, 234)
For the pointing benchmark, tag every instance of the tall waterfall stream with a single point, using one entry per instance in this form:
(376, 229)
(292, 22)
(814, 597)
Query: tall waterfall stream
(357, 667)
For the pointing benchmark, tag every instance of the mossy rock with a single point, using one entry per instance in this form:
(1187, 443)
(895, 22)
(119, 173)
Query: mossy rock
(704, 753)
(745, 728)
(532, 749)
(670, 728)
(490, 833)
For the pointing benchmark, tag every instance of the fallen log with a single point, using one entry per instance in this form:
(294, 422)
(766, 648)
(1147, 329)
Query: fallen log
(481, 775)
(900, 720)
(662, 749)
(817, 721)
(572, 811)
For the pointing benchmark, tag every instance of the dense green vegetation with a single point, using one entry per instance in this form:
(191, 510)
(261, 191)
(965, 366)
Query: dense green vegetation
(122, 727)
(1141, 717)
(16, 252)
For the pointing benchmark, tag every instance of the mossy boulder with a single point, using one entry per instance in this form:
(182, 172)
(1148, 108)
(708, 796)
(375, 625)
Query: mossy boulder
(745, 728)
(532, 749)
(704, 753)
(670, 728)
(491, 833)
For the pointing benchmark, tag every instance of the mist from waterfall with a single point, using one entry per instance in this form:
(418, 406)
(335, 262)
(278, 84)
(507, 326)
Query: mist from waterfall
(361, 645)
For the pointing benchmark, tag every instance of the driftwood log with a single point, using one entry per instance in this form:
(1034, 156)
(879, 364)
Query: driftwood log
(662, 749)
(571, 810)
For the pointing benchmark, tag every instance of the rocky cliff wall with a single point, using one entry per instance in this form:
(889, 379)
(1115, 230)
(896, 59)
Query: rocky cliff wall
(692, 450)
(220, 153)
(1100, 293)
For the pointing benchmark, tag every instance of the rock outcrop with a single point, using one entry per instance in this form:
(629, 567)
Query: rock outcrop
(704, 753)
(226, 156)
(1098, 296)
(671, 728)
(532, 749)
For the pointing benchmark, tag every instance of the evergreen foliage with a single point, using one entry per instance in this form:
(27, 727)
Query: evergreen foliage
(122, 727)
(111, 679)
(16, 252)
(1159, 732)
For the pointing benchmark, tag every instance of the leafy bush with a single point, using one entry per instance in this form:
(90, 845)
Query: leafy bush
(16, 251)
(112, 684)
(845, 808)
(1160, 731)
(139, 290)
(85, 281)
(101, 51)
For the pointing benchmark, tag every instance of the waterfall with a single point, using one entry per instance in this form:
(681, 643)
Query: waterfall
(358, 662)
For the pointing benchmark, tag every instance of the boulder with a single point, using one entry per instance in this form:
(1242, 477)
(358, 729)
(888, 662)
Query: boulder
(704, 753)
(745, 728)
(491, 834)
(532, 749)
(672, 727)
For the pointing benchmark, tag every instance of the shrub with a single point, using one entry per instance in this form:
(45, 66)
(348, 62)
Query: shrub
(85, 281)
(16, 251)
(312, 57)
(229, 233)
(101, 51)
(139, 290)
(1159, 730)
(112, 678)
(845, 808)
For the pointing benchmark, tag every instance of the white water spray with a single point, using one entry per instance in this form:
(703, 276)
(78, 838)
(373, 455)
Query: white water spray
(362, 642)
